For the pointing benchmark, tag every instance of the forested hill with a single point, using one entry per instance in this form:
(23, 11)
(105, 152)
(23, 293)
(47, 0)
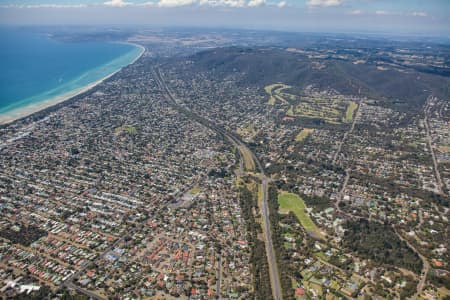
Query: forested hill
(345, 73)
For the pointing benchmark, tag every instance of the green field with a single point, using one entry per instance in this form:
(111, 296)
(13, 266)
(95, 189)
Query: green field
(303, 134)
(350, 110)
(249, 163)
(292, 202)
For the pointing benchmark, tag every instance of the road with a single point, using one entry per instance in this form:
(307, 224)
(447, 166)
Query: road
(91, 295)
(430, 145)
(273, 269)
(69, 282)
(219, 278)
(342, 191)
(425, 267)
(352, 127)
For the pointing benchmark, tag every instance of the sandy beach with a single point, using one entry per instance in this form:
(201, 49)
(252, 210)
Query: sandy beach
(29, 109)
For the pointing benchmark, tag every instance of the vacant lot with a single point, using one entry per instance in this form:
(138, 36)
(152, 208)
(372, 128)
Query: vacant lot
(303, 134)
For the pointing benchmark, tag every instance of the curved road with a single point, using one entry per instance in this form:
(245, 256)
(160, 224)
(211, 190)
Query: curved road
(273, 269)
(425, 267)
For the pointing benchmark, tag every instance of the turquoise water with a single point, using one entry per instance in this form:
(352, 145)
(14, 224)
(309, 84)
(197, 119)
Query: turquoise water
(35, 67)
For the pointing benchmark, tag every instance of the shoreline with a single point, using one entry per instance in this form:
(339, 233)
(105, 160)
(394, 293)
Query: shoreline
(27, 110)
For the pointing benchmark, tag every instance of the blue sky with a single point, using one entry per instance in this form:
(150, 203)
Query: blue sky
(388, 16)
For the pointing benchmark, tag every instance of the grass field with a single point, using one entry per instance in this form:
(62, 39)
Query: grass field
(444, 149)
(249, 163)
(195, 190)
(443, 292)
(303, 134)
(292, 202)
(350, 110)
(260, 195)
(126, 128)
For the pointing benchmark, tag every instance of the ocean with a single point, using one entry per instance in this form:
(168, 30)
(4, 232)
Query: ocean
(36, 68)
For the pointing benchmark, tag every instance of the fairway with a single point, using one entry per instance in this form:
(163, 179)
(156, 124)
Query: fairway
(275, 93)
(290, 112)
(292, 202)
(350, 110)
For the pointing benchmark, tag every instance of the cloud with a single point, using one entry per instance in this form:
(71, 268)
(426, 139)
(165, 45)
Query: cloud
(117, 3)
(256, 3)
(356, 12)
(419, 14)
(146, 4)
(175, 3)
(44, 5)
(395, 13)
(323, 3)
(282, 4)
(167, 4)
(225, 3)
(382, 13)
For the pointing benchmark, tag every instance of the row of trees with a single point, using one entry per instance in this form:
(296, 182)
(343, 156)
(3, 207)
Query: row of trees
(283, 259)
(258, 258)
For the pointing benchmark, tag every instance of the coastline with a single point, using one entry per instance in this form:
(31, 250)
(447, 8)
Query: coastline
(29, 109)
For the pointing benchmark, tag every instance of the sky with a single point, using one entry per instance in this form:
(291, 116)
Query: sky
(407, 17)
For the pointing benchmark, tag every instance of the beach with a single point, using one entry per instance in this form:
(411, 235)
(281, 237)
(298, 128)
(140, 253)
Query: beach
(33, 107)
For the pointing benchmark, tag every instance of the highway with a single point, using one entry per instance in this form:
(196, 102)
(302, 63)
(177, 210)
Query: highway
(273, 269)
(430, 145)
(90, 294)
